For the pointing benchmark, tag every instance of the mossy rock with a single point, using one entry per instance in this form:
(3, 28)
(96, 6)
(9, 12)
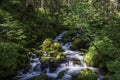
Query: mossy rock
(45, 58)
(68, 36)
(56, 46)
(49, 45)
(93, 58)
(76, 61)
(85, 74)
(80, 42)
(60, 56)
(46, 43)
(41, 77)
(73, 47)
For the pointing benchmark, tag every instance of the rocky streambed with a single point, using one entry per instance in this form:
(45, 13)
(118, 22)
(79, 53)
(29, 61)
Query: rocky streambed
(70, 66)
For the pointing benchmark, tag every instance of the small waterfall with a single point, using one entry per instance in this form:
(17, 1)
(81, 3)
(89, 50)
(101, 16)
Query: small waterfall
(59, 37)
(67, 46)
(70, 67)
(73, 64)
(34, 69)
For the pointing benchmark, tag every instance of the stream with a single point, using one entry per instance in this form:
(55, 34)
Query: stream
(69, 67)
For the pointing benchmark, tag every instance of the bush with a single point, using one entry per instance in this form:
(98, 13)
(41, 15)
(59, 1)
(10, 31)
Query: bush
(8, 59)
(114, 70)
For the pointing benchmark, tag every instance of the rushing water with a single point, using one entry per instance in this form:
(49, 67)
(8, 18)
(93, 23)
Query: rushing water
(69, 67)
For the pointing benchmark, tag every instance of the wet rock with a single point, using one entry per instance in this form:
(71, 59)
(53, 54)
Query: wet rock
(60, 75)
(40, 77)
(75, 61)
(44, 65)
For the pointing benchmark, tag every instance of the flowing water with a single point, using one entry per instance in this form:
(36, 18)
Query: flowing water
(69, 66)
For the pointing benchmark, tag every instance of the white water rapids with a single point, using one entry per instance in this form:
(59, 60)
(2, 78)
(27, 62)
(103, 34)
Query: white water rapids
(69, 67)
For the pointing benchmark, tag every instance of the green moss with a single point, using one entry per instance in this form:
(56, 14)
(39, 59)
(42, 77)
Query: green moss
(93, 58)
(85, 74)
(50, 46)
(60, 56)
(56, 46)
(45, 58)
(46, 43)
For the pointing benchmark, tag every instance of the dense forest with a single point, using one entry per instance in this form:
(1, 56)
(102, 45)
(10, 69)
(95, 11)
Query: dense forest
(59, 40)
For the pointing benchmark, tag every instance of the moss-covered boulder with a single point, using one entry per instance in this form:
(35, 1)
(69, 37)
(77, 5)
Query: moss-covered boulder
(80, 42)
(68, 36)
(60, 56)
(46, 44)
(93, 58)
(85, 74)
(49, 45)
(56, 46)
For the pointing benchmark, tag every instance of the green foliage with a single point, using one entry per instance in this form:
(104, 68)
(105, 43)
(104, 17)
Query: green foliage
(45, 58)
(68, 36)
(80, 42)
(85, 74)
(8, 59)
(29, 25)
(93, 58)
(114, 71)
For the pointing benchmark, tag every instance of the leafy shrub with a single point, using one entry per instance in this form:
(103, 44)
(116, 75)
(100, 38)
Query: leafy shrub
(114, 71)
(8, 59)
